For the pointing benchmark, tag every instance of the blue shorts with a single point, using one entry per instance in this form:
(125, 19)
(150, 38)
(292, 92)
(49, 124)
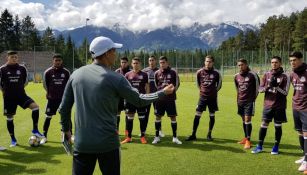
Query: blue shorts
(165, 106)
(279, 115)
(300, 120)
(10, 105)
(246, 109)
(203, 103)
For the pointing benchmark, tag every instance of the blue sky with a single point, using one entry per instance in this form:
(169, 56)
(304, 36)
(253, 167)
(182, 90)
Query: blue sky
(139, 15)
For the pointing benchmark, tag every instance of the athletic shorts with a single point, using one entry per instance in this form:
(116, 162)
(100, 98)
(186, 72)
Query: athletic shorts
(52, 107)
(300, 120)
(165, 106)
(279, 115)
(246, 109)
(131, 109)
(203, 103)
(10, 105)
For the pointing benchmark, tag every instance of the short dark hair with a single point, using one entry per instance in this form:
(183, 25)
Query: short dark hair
(276, 57)
(152, 56)
(124, 58)
(136, 59)
(11, 52)
(163, 58)
(210, 57)
(242, 60)
(57, 56)
(296, 54)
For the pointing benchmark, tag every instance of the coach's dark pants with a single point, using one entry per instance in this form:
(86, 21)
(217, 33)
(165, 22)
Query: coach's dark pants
(109, 163)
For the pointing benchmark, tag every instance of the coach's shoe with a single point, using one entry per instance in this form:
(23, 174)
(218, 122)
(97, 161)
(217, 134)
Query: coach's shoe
(177, 141)
(247, 144)
(258, 149)
(2, 148)
(43, 141)
(303, 166)
(37, 134)
(275, 150)
(161, 134)
(156, 140)
(191, 138)
(243, 141)
(13, 143)
(127, 140)
(300, 161)
(143, 140)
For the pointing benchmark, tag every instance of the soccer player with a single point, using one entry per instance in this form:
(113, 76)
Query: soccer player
(99, 89)
(150, 70)
(247, 84)
(209, 82)
(139, 80)
(298, 78)
(163, 77)
(55, 79)
(13, 82)
(123, 69)
(275, 86)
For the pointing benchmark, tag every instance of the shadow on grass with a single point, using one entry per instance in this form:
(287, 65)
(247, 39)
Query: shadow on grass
(9, 168)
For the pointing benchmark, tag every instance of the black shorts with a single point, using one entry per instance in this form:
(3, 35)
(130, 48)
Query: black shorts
(203, 103)
(279, 115)
(121, 105)
(10, 105)
(131, 109)
(300, 120)
(246, 109)
(52, 107)
(168, 106)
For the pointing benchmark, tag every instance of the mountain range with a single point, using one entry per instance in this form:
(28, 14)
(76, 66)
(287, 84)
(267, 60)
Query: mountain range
(202, 36)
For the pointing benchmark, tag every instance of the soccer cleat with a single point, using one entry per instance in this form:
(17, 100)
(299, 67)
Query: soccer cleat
(37, 134)
(177, 141)
(190, 138)
(161, 134)
(300, 161)
(127, 140)
(247, 144)
(242, 142)
(209, 137)
(303, 166)
(13, 143)
(156, 140)
(258, 149)
(43, 141)
(2, 148)
(143, 140)
(275, 150)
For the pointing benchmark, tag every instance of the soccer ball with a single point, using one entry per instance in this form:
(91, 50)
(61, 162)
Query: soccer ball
(34, 141)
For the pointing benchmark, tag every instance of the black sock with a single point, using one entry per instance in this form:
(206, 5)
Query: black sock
(211, 123)
(262, 134)
(157, 127)
(35, 116)
(130, 127)
(10, 128)
(174, 128)
(244, 129)
(126, 120)
(147, 116)
(301, 139)
(305, 148)
(142, 120)
(249, 128)
(46, 125)
(117, 122)
(278, 134)
(195, 124)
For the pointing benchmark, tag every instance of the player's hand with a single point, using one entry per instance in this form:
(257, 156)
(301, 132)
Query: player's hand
(68, 136)
(273, 82)
(169, 89)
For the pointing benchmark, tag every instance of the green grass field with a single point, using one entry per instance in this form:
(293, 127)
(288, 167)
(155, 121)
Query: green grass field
(222, 156)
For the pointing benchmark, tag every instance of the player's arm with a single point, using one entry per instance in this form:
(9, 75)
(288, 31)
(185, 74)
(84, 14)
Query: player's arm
(219, 81)
(263, 86)
(66, 106)
(25, 72)
(257, 82)
(283, 88)
(45, 80)
(198, 79)
(177, 81)
(236, 83)
(147, 87)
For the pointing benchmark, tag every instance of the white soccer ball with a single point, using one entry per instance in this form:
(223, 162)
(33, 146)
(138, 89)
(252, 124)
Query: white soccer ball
(34, 141)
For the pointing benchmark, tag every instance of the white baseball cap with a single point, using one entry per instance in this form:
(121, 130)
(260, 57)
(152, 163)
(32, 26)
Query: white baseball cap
(101, 45)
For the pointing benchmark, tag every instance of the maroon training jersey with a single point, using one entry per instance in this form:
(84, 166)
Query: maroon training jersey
(55, 80)
(209, 82)
(247, 85)
(13, 80)
(123, 71)
(299, 81)
(151, 76)
(164, 77)
(138, 80)
(275, 97)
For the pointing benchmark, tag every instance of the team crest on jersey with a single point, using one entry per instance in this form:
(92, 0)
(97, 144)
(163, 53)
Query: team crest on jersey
(18, 72)
(211, 76)
(52, 76)
(246, 79)
(63, 75)
(9, 73)
(168, 76)
(141, 77)
(303, 79)
(278, 80)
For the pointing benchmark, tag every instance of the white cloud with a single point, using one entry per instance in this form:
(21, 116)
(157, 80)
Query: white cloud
(142, 14)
